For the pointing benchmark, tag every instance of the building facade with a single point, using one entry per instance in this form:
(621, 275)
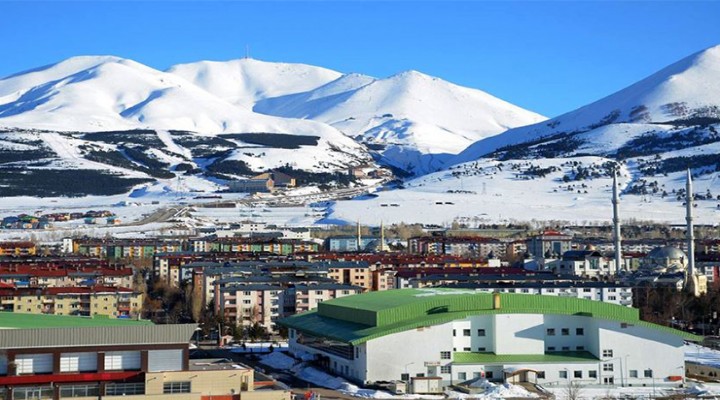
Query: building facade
(456, 335)
(127, 360)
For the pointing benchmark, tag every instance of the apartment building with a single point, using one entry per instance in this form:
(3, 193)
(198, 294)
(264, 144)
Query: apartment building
(111, 302)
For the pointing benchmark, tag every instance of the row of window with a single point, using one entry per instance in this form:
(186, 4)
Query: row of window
(578, 374)
(565, 331)
(468, 332)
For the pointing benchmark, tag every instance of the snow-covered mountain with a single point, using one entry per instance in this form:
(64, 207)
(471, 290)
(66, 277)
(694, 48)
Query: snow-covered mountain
(685, 93)
(246, 81)
(561, 169)
(415, 121)
(119, 113)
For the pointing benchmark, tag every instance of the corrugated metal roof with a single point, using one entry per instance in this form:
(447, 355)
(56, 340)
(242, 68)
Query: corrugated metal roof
(96, 336)
(15, 320)
(359, 318)
(551, 357)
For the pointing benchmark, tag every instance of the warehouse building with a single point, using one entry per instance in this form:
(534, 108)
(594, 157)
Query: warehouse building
(457, 335)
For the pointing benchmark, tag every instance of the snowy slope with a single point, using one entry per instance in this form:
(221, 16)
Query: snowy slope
(245, 81)
(110, 93)
(415, 121)
(491, 191)
(685, 90)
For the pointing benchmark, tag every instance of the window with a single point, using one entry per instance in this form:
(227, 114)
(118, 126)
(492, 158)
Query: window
(466, 332)
(405, 377)
(565, 331)
(566, 348)
(577, 374)
(541, 374)
(320, 292)
(462, 376)
(80, 391)
(563, 374)
(445, 369)
(612, 298)
(551, 348)
(481, 332)
(648, 373)
(607, 353)
(580, 348)
(608, 367)
(579, 331)
(488, 375)
(444, 355)
(176, 387)
(592, 374)
(33, 392)
(124, 389)
(551, 332)
(467, 349)
(481, 349)
(247, 301)
(633, 373)
(247, 293)
(454, 332)
(357, 352)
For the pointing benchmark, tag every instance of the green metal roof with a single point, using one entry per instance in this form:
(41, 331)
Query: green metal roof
(13, 320)
(359, 318)
(490, 358)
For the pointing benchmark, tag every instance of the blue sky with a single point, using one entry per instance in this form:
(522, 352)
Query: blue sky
(549, 57)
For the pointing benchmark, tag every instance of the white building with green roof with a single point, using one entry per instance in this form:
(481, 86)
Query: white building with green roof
(458, 335)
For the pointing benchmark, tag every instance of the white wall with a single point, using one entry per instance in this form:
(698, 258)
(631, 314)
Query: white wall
(638, 348)
(519, 334)
(390, 356)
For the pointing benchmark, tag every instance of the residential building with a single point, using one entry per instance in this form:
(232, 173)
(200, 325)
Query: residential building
(111, 302)
(461, 246)
(549, 244)
(586, 263)
(252, 185)
(278, 178)
(17, 249)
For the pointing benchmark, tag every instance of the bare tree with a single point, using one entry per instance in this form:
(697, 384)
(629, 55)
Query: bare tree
(573, 391)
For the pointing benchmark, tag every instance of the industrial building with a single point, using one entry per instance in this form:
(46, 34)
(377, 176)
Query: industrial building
(112, 359)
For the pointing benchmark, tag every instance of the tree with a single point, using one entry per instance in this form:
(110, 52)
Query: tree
(573, 391)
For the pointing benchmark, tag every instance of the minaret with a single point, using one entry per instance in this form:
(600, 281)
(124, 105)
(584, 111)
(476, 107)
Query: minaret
(382, 236)
(359, 237)
(616, 223)
(690, 282)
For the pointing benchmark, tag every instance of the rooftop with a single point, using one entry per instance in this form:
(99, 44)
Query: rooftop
(12, 320)
(559, 357)
(357, 319)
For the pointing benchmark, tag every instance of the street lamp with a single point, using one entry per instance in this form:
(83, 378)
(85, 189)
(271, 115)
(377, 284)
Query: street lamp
(652, 375)
(406, 368)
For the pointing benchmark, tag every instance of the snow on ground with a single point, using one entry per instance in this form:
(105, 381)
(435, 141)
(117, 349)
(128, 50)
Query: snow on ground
(702, 355)
(489, 191)
(278, 360)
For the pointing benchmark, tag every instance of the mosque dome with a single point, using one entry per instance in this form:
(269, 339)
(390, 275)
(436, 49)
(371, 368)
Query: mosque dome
(667, 252)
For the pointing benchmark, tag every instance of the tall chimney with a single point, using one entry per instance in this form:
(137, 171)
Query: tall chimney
(690, 235)
(616, 223)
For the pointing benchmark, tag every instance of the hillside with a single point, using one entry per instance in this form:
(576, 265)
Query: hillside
(414, 121)
(561, 169)
(127, 123)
